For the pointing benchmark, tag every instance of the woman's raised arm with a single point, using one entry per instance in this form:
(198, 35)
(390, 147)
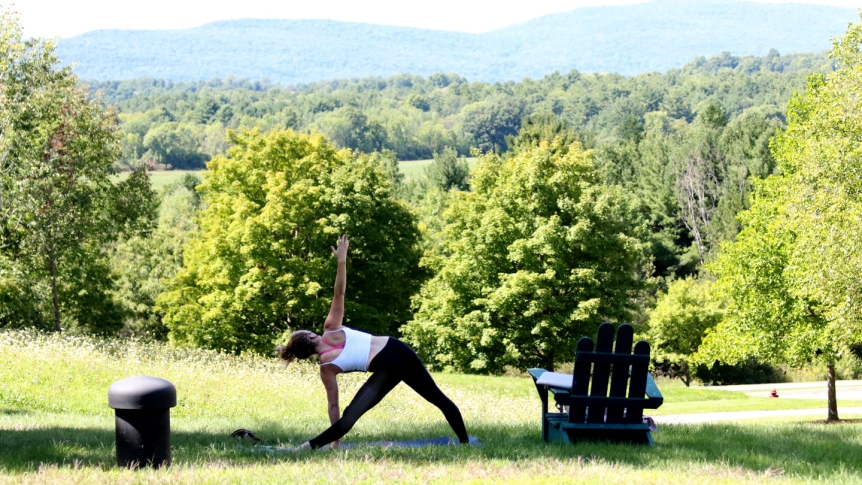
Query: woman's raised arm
(336, 310)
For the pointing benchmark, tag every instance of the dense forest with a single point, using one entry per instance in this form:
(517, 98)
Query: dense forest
(629, 39)
(689, 203)
(182, 125)
(685, 146)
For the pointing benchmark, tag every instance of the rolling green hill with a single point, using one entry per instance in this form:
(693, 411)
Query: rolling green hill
(628, 39)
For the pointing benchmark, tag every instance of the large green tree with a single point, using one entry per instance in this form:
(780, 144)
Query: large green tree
(448, 171)
(260, 264)
(489, 123)
(793, 272)
(59, 206)
(536, 256)
(175, 145)
(678, 322)
(767, 317)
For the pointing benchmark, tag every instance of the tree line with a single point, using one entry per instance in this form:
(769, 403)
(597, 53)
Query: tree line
(183, 125)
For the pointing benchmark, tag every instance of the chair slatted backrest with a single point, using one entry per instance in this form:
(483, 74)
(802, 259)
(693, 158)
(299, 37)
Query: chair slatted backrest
(601, 372)
(581, 380)
(637, 385)
(620, 376)
(625, 373)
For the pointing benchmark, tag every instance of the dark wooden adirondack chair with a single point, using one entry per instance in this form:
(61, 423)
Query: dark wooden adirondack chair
(589, 410)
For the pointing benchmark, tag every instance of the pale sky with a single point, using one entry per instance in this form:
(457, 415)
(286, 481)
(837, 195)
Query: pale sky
(67, 18)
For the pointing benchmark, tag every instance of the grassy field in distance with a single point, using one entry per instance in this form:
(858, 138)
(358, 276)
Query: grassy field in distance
(416, 168)
(55, 427)
(161, 178)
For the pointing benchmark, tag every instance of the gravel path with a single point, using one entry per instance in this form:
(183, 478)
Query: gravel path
(783, 385)
(845, 390)
(741, 415)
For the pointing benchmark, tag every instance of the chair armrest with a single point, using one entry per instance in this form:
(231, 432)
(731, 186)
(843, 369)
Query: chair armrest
(536, 373)
(556, 391)
(653, 394)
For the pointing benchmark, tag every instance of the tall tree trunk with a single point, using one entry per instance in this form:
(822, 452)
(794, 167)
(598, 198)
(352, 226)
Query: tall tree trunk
(549, 361)
(52, 266)
(686, 374)
(830, 386)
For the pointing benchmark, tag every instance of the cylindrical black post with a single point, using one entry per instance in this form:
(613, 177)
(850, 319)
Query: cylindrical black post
(143, 420)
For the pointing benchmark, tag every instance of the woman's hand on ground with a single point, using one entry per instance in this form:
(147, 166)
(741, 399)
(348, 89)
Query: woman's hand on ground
(340, 253)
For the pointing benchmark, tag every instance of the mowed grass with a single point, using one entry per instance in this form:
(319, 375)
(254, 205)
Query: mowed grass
(55, 427)
(415, 169)
(160, 178)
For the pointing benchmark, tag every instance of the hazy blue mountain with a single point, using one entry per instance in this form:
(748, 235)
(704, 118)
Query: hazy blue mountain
(627, 39)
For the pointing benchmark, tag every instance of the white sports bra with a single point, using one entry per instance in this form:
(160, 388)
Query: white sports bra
(357, 348)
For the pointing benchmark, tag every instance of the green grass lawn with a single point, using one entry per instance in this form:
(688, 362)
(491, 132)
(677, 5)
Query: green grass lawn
(411, 169)
(161, 178)
(55, 427)
(415, 168)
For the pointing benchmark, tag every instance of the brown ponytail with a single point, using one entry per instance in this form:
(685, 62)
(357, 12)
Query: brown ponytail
(299, 346)
(284, 354)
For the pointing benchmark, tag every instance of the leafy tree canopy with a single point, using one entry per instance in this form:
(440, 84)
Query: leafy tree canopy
(536, 256)
(678, 322)
(792, 272)
(260, 264)
(448, 171)
(416, 116)
(142, 264)
(58, 205)
(789, 270)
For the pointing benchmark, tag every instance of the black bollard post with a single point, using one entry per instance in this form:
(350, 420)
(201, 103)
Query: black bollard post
(142, 406)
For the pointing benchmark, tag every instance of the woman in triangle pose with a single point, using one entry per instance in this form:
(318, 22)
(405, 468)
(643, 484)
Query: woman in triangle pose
(343, 349)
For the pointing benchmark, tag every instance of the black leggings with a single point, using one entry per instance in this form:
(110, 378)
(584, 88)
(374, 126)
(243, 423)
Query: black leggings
(395, 363)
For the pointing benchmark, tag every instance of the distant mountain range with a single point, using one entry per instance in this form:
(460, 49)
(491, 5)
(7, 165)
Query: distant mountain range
(626, 39)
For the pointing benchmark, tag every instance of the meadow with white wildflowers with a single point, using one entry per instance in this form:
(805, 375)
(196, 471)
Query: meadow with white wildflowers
(56, 427)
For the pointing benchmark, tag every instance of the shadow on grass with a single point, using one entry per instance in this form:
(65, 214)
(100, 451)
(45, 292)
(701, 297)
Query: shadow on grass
(803, 450)
(9, 411)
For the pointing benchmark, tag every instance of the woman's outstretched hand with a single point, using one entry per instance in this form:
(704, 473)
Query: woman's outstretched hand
(302, 447)
(340, 252)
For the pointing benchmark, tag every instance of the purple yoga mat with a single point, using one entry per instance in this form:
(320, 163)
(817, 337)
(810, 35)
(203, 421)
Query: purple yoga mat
(441, 441)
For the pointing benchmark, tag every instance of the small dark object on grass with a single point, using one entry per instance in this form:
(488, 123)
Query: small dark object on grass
(243, 433)
(142, 406)
(774, 393)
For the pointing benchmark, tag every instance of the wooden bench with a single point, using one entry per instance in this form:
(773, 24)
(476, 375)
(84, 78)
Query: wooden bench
(588, 409)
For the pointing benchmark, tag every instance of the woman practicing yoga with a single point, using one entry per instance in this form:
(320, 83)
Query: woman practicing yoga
(342, 349)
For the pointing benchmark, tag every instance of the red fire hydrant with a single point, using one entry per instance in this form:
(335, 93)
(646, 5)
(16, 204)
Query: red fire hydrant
(774, 393)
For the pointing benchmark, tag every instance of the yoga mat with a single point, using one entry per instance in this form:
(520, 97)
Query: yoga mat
(441, 441)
